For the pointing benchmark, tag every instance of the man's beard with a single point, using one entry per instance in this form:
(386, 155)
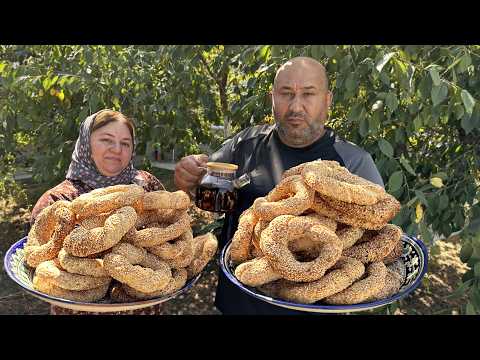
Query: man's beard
(303, 136)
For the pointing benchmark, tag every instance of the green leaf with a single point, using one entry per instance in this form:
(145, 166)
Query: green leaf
(317, 51)
(363, 128)
(351, 83)
(435, 76)
(467, 123)
(439, 94)
(465, 62)
(385, 147)
(419, 194)
(406, 165)
(391, 101)
(395, 181)
(466, 252)
(476, 270)
(468, 101)
(383, 61)
(417, 123)
(470, 309)
(330, 50)
(443, 202)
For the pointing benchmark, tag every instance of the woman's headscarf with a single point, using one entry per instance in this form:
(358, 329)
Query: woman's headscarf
(82, 167)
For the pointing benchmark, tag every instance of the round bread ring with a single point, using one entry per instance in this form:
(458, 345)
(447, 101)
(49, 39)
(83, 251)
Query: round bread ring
(363, 289)
(343, 274)
(381, 212)
(257, 232)
(393, 283)
(162, 199)
(280, 202)
(50, 271)
(183, 259)
(286, 228)
(305, 244)
(204, 249)
(179, 279)
(394, 254)
(242, 238)
(89, 295)
(297, 170)
(256, 272)
(105, 200)
(95, 221)
(48, 233)
(171, 248)
(337, 182)
(378, 247)
(322, 208)
(150, 216)
(154, 236)
(83, 242)
(151, 274)
(349, 236)
(81, 266)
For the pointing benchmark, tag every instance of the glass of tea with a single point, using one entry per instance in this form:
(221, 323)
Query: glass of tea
(217, 190)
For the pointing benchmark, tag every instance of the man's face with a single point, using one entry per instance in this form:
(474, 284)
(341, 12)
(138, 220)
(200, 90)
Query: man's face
(300, 103)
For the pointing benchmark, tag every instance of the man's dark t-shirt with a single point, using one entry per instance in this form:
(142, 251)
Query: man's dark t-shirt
(259, 152)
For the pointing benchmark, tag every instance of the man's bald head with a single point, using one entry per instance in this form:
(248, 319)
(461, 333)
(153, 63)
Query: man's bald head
(304, 64)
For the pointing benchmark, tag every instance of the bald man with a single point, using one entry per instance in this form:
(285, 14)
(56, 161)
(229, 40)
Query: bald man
(300, 103)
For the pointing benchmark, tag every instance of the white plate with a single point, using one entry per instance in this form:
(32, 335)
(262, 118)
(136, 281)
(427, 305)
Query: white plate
(414, 259)
(22, 274)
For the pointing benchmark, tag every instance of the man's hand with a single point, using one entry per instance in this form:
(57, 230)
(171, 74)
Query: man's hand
(189, 171)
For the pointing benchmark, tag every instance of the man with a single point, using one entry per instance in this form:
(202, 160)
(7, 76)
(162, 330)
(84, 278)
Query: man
(300, 103)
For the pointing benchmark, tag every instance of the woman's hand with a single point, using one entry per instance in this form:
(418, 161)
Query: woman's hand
(189, 171)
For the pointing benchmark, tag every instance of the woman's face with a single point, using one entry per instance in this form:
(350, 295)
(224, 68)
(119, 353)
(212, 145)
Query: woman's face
(112, 147)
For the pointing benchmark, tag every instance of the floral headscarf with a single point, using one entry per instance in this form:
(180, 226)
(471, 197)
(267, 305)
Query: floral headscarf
(82, 167)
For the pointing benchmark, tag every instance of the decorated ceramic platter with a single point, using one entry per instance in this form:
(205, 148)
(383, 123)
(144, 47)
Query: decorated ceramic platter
(17, 269)
(413, 264)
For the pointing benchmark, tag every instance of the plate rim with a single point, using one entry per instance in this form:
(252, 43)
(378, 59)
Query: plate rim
(331, 308)
(70, 303)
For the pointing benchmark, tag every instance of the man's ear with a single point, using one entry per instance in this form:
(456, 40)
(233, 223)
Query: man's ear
(329, 99)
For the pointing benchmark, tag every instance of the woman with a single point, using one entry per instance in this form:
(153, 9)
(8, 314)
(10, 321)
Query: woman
(103, 156)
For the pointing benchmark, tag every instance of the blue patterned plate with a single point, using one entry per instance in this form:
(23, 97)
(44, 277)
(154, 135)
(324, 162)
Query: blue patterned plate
(17, 269)
(413, 261)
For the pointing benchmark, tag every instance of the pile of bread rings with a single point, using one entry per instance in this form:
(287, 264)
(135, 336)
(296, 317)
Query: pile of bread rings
(118, 240)
(321, 235)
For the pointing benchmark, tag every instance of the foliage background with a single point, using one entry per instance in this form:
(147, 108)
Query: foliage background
(414, 108)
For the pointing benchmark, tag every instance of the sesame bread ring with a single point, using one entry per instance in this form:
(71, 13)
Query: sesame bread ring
(257, 232)
(381, 212)
(337, 182)
(393, 282)
(83, 242)
(349, 236)
(256, 272)
(179, 279)
(321, 207)
(48, 233)
(339, 277)
(154, 236)
(363, 289)
(394, 254)
(105, 200)
(133, 266)
(204, 249)
(280, 200)
(286, 228)
(81, 266)
(89, 295)
(50, 271)
(297, 170)
(171, 248)
(162, 199)
(183, 259)
(242, 238)
(378, 247)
